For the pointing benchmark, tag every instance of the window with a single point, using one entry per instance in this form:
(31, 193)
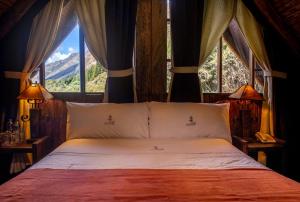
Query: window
(208, 73)
(233, 72)
(64, 72)
(223, 71)
(62, 68)
(95, 75)
(35, 76)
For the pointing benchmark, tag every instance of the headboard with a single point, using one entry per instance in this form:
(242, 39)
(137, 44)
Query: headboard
(54, 115)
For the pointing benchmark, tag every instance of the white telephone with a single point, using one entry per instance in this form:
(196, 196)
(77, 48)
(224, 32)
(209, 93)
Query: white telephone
(264, 137)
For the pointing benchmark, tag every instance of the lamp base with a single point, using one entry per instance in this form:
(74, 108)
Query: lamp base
(245, 115)
(35, 122)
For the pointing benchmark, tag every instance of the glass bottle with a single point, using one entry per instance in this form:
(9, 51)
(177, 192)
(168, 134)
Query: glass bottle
(16, 129)
(9, 126)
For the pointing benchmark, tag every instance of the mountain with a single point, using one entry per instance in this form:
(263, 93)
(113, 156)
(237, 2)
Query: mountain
(67, 67)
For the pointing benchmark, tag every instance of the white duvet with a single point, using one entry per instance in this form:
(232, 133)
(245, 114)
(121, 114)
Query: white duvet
(147, 154)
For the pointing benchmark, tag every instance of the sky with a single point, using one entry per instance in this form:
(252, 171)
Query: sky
(68, 46)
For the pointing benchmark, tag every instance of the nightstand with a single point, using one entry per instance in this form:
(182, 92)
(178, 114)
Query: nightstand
(274, 152)
(38, 147)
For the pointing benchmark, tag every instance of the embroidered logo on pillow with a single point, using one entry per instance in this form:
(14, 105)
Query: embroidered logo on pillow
(109, 121)
(191, 122)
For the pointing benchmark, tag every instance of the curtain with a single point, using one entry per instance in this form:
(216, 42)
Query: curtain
(91, 15)
(234, 37)
(41, 39)
(254, 37)
(120, 18)
(186, 20)
(216, 18)
(67, 23)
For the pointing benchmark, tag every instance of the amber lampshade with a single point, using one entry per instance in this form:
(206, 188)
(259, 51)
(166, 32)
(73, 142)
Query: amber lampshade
(246, 92)
(35, 94)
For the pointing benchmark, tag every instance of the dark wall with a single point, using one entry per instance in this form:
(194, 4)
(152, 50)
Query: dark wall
(12, 57)
(284, 59)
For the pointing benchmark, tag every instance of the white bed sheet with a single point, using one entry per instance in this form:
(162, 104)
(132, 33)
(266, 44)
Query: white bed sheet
(147, 154)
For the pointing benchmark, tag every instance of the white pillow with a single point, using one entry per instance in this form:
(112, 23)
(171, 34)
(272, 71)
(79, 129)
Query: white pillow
(107, 120)
(189, 120)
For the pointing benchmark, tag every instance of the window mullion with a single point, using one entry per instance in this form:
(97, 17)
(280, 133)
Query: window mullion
(82, 61)
(252, 67)
(42, 74)
(219, 65)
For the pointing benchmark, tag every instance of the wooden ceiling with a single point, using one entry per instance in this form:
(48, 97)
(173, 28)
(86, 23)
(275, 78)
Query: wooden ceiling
(283, 15)
(11, 11)
(5, 5)
(289, 12)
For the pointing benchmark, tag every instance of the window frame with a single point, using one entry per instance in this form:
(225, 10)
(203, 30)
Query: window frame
(82, 95)
(219, 65)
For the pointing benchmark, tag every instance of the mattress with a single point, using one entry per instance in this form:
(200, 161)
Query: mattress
(147, 154)
(149, 170)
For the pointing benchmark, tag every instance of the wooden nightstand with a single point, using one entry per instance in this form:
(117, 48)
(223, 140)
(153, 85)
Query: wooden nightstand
(38, 147)
(274, 151)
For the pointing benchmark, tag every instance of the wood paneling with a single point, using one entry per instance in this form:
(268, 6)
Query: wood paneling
(54, 117)
(159, 49)
(143, 49)
(151, 50)
(53, 121)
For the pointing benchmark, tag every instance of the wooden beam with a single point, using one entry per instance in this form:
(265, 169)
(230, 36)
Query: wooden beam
(151, 50)
(10, 18)
(269, 12)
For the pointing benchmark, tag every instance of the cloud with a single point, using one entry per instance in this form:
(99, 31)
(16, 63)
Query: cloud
(71, 50)
(58, 55)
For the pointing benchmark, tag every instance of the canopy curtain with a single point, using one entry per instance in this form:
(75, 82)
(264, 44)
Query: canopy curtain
(216, 18)
(186, 21)
(120, 18)
(40, 44)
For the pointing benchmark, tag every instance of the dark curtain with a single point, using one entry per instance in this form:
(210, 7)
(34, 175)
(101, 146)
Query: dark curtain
(120, 32)
(283, 57)
(186, 28)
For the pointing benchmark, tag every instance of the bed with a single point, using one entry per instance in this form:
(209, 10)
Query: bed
(148, 169)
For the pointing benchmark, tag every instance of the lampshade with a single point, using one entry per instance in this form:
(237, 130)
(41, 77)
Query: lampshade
(35, 93)
(246, 92)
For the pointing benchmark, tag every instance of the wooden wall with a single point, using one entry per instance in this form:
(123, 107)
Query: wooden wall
(151, 50)
(54, 116)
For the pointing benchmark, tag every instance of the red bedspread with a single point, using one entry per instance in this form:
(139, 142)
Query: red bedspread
(150, 185)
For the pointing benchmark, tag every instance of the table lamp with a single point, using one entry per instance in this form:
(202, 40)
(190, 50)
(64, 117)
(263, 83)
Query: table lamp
(35, 94)
(245, 94)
